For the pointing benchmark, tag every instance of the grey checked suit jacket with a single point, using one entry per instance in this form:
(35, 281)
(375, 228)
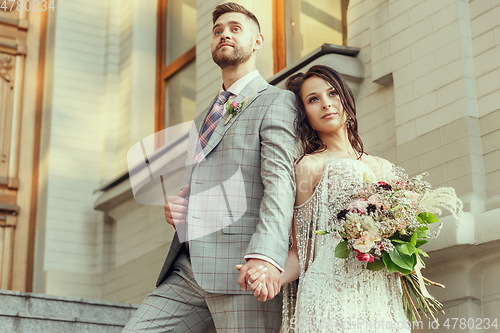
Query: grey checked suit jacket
(258, 146)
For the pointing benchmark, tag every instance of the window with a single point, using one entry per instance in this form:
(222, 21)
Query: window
(176, 70)
(304, 25)
(299, 27)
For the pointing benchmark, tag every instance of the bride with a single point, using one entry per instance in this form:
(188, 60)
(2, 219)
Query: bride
(333, 295)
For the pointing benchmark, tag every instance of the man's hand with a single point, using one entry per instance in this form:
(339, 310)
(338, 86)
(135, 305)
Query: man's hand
(176, 208)
(270, 281)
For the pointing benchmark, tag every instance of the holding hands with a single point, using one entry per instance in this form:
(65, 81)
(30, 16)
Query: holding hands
(260, 276)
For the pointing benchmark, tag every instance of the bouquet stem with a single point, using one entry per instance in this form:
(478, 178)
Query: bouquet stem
(427, 305)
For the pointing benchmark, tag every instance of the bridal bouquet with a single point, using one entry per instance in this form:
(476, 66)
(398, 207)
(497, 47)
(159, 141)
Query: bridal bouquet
(387, 222)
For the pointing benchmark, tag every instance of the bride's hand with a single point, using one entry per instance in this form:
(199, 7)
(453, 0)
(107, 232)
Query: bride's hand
(256, 280)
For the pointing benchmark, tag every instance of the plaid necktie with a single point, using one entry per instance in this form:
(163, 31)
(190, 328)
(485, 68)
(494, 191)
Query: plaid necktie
(213, 118)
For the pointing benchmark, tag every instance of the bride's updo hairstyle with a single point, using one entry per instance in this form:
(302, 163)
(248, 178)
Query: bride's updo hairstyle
(309, 139)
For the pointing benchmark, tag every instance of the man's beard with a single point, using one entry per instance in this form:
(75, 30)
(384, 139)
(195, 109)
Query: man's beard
(238, 56)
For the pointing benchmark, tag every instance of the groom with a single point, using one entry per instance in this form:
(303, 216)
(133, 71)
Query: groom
(237, 201)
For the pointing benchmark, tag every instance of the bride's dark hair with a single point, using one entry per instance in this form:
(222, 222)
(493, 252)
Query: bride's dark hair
(306, 133)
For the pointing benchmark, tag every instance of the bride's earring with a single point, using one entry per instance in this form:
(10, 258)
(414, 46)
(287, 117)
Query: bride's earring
(349, 122)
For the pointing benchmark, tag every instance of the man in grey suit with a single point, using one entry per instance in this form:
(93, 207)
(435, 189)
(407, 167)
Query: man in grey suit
(237, 202)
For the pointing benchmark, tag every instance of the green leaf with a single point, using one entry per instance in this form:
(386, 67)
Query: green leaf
(428, 217)
(229, 108)
(376, 265)
(321, 232)
(407, 249)
(395, 240)
(423, 253)
(421, 242)
(404, 271)
(419, 220)
(413, 240)
(389, 264)
(399, 258)
(342, 251)
(422, 232)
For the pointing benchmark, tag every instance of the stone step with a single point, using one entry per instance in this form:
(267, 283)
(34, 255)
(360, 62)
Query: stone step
(38, 313)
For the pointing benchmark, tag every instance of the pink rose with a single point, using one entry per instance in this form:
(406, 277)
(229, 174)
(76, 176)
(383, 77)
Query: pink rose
(374, 199)
(358, 206)
(365, 257)
(234, 104)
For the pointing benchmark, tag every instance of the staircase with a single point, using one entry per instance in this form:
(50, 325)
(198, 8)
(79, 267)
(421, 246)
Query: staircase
(38, 313)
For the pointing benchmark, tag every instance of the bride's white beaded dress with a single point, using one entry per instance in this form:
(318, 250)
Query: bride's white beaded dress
(339, 295)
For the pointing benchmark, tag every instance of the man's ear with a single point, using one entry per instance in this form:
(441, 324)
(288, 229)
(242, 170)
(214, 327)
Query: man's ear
(259, 42)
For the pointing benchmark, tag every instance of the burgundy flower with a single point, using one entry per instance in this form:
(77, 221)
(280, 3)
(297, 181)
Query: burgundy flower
(341, 215)
(385, 186)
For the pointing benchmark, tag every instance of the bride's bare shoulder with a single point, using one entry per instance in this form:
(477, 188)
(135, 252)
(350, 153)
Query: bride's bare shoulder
(308, 173)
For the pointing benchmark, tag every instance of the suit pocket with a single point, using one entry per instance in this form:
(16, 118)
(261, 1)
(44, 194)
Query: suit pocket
(246, 225)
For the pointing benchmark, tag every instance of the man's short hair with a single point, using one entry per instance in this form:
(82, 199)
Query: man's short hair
(231, 7)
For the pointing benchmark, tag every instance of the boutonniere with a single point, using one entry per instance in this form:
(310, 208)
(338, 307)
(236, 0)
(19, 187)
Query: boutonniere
(233, 108)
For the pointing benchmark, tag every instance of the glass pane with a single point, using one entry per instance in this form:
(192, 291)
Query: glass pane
(310, 23)
(180, 96)
(181, 28)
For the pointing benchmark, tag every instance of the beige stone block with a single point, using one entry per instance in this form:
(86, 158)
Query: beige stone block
(439, 78)
(488, 103)
(488, 83)
(454, 130)
(374, 119)
(419, 145)
(493, 183)
(391, 63)
(358, 28)
(497, 35)
(435, 40)
(406, 132)
(445, 153)
(403, 94)
(487, 61)
(381, 51)
(436, 175)
(491, 142)
(485, 22)
(376, 20)
(383, 133)
(477, 8)
(457, 168)
(445, 16)
(411, 166)
(417, 108)
(491, 161)
(426, 8)
(415, 69)
(399, 6)
(378, 35)
(462, 185)
(441, 117)
(368, 88)
(483, 42)
(490, 122)
(495, 3)
(449, 53)
(375, 102)
(412, 34)
(451, 92)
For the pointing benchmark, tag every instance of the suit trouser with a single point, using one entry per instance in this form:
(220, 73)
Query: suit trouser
(179, 304)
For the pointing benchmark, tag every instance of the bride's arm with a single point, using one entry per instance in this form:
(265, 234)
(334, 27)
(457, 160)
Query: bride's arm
(292, 267)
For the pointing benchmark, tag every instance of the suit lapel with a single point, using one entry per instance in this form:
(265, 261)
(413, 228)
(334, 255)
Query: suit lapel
(256, 86)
